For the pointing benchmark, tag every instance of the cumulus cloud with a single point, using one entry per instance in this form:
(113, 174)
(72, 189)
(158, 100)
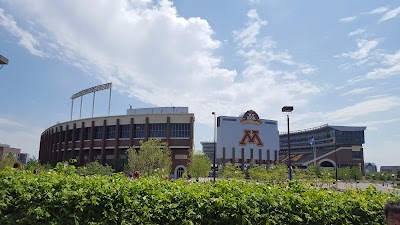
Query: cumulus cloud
(347, 19)
(152, 54)
(390, 14)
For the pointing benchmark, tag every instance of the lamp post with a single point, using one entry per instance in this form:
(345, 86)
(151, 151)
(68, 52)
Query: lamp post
(288, 110)
(3, 61)
(215, 152)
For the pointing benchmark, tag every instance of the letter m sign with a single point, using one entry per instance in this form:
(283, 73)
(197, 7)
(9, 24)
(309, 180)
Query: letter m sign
(251, 137)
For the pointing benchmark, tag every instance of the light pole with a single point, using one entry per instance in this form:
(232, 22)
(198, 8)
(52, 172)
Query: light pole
(288, 110)
(3, 61)
(215, 152)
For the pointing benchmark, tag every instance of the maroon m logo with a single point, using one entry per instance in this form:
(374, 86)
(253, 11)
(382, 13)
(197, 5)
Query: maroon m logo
(251, 137)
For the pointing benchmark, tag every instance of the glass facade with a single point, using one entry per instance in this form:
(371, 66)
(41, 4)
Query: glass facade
(87, 133)
(98, 134)
(139, 131)
(78, 134)
(124, 131)
(181, 130)
(111, 132)
(349, 137)
(158, 130)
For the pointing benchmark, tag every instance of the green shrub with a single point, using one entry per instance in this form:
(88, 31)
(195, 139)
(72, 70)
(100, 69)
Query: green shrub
(59, 198)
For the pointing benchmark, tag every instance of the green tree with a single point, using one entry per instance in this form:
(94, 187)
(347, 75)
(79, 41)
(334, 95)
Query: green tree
(7, 161)
(258, 173)
(231, 171)
(200, 165)
(95, 168)
(153, 158)
(34, 165)
(277, 172)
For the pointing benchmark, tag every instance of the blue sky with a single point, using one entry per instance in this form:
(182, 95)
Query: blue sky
(336, 62)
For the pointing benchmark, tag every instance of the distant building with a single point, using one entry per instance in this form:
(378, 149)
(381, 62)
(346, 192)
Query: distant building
(208, 148)
(23, 158)
(6, 149)
(340, 146)
(389, 168)
(370, 167)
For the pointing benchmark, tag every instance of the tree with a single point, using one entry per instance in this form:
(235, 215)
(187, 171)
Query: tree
(95, 168)
(7, 161)
(200, 165)
(153, 158)
(232, 171)
(258, 173)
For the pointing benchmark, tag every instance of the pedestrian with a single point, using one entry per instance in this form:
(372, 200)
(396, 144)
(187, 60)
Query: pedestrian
(189, 178)
(392, 212)
(17, 165)
(136, 175)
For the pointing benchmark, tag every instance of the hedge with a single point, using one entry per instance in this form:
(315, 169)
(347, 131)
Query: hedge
(56, 198)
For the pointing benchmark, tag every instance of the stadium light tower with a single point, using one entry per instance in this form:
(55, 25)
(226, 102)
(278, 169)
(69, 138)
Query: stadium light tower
(3, 61)
(215, 127)
(288, 110)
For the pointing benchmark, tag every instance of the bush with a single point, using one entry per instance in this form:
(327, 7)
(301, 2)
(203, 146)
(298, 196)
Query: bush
(59, 198)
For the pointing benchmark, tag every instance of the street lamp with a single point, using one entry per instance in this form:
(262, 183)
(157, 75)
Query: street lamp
(288, 110)
(215, 154)
(3, 61)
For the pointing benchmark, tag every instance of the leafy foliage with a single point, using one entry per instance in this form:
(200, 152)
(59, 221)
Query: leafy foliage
(95, 168)
(57, 198)
(7, 161)
(153, 158)
(200, 165)
(231, 171)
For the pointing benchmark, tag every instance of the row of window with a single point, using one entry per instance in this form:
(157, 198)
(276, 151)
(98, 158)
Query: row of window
(156, 130)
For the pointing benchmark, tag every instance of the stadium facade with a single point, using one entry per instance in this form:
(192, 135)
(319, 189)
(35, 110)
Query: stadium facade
(246, 139)
(106, 139)
(326, 145)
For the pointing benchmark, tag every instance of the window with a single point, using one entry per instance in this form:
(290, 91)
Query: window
(157, 130)
(139, 131)
(70, 135)
(356, 155)
(98, 132)
(78, 134)
(124, 131)
(181, 130)
(111, 132)
(87, 133)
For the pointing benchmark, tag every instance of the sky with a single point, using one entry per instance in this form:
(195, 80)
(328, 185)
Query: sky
(335, 62)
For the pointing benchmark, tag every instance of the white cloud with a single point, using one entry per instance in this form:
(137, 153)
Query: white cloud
(363, 108)
(390, 14)
(152, 54)
(347, 19)
(378, 10)
(356, 32)
(247, 36)
(384, 72)
(25, 38)
(364, 47)
(358, 91)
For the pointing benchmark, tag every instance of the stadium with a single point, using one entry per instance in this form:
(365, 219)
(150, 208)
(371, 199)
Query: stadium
(106, 139)
(326, 146)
